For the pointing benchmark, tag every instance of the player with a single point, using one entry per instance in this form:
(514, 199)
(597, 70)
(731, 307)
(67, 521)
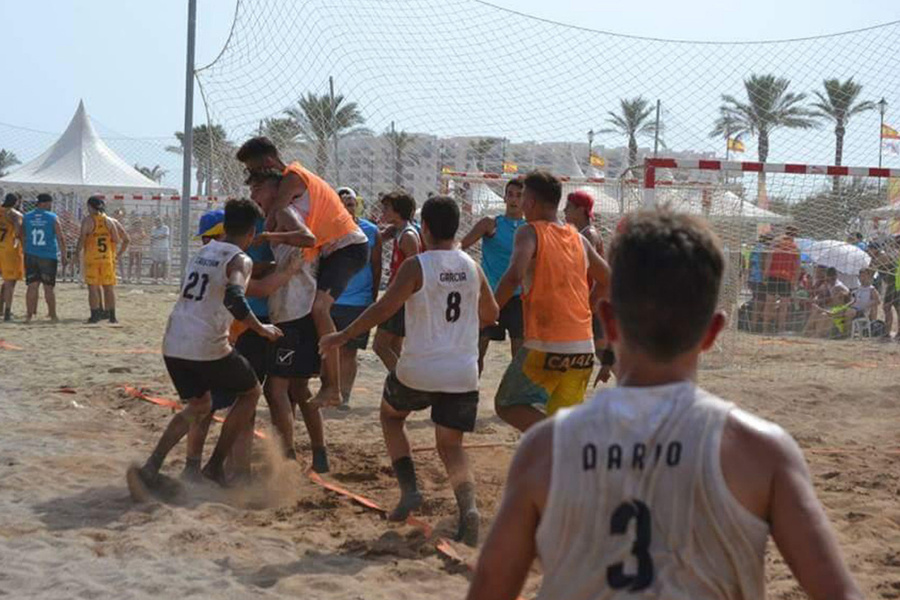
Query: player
(45, 247)
(447, 297)
(551, 262)
(398, 209)
(159, 251)
(137, 231)
(579, 213)
(196, 350)
(342, 246)
(497, 235)
(293, 359)
(658, 489)
(360, 293)
(101, 238)
(12, 261)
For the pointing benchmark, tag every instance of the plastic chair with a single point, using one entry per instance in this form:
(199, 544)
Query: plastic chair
(860, 328)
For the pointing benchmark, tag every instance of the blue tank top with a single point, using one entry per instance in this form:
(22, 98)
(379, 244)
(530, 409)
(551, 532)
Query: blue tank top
(359, 290)
(40, 233)
(497, 249)
(263, 254)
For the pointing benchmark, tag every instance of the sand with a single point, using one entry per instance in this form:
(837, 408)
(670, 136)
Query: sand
(68, 528)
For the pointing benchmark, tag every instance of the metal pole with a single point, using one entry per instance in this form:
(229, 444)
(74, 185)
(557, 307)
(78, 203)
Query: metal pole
(188, 142)
(881, 106)
(337, 161)
(656, 131)
(590, 147)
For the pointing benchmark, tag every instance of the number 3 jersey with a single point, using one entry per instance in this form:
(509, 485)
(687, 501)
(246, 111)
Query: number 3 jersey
(440, 350)
(198, 325)
(638, 505)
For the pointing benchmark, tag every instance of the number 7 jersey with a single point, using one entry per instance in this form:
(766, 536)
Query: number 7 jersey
(440, 350)
(638, 506)
(198, 326)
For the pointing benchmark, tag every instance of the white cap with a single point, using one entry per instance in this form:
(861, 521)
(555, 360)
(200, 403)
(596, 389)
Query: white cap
(346, 190)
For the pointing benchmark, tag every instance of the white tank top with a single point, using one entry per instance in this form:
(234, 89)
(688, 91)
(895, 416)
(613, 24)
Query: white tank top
(862, 297)
(198, 325)
(294, 300)
(440, 350)
(638, 505)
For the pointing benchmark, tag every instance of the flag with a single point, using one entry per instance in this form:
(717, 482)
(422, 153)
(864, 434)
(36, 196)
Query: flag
(892, 147)
(597, 161)
(509, 167)
(736, 145)
(446, 170)
(889, 133)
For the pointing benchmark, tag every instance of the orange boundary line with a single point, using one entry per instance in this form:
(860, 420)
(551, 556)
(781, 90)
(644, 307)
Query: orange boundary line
(4, 345)
(470, 446)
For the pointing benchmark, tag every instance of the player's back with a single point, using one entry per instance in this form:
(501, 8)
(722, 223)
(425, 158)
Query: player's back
(638, 504)
(40, 233)
(440, 350)
(98, 245)
(198, 325)
(9, 241)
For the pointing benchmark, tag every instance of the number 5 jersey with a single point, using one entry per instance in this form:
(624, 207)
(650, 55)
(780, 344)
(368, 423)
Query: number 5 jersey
(440, 351)
(638, 505)
(198, 326)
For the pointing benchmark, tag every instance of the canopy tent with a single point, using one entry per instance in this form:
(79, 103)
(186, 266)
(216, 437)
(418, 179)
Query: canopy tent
(883, 212)
(79, 162)
(716, 205)
(484, 200)
(604, 204)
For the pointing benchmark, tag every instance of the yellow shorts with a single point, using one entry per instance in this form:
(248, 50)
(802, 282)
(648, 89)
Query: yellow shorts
(100, 273)
(546, 378)
(12, 265)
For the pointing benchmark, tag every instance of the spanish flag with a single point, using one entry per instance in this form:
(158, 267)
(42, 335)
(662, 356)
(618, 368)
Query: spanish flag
(509, 167)
(597, 161)
(446, 170)
(889, 133)
(736, 145)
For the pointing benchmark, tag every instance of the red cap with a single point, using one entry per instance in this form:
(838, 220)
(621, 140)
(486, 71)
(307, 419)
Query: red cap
(582, 199)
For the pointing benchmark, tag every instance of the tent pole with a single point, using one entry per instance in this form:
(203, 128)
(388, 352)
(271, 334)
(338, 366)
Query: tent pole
(188, 143)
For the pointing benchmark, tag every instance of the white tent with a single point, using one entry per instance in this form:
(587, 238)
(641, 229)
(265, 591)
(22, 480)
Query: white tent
(883, 212)
(716, 205)
(604, 204)
(80, 163)
(484, 200)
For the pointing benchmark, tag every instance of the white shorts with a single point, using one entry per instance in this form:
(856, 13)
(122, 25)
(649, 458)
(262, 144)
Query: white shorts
(159, 255)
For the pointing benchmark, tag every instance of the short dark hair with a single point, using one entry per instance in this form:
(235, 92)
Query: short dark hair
(402, 203)
(257, 147)
(514, 182)
(44, 198)
(545, 185)
(666, 274)
(11, 199)
(241, 215)
(831, 272)
(266, 176)
(441, 215)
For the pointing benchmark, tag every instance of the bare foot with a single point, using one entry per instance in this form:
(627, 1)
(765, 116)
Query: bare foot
(327, 397)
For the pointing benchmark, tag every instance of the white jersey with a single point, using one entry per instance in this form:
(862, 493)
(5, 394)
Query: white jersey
(198, 325)
(294, 300)
(440, 350)
(638, 505)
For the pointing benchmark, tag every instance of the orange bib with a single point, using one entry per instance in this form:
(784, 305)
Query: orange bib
(328, 219)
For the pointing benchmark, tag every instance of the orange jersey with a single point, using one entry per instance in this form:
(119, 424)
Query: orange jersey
(328, 219)
(557, 302)
(99, 246)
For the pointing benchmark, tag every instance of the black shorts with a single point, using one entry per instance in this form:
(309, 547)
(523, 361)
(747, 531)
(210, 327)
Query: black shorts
(193, 378)
(778, 287)
(451, 410)
(296, 355)
(253, 347)
(338, 268)
(510, 320)
(396, 324)
(40, 269)
(758, 289)
(343, 315)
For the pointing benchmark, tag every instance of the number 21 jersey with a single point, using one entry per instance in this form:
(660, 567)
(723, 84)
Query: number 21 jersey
(198, 325)
(440, 350)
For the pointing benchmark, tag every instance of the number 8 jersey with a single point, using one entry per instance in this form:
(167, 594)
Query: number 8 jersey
(198, 326)
(440, 350)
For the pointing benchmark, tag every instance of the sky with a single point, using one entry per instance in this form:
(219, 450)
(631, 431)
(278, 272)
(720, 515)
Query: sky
(126, 58)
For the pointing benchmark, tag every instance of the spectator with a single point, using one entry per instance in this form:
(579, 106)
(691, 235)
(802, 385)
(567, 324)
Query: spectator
(887, 266)
(756, 280)
(159, 251)
(827, 312)
(782, 269)
(137, 231)
(70, 228)
(866, 298)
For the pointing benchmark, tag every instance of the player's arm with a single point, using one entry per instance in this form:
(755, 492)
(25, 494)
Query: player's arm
(19, 226)
(264, 287)
(290, 230)
(510, 549)
(598, 270)
(290, 187)
(408, 280)
(483, 227)
(124, 240)
(488, 311)
(524, 248)
(87, 225)
(409, 244)
(801, 530)
(238, 276)
(375, 261)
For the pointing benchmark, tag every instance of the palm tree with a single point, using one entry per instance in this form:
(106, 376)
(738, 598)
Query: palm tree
(399, 141)
(211, 145)
(481, 148)
(633, 121)
(282, 131)
(727, 127)
(8, 159)
(319, 120)
(769, 107)
(156, 173)
(838, 104)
